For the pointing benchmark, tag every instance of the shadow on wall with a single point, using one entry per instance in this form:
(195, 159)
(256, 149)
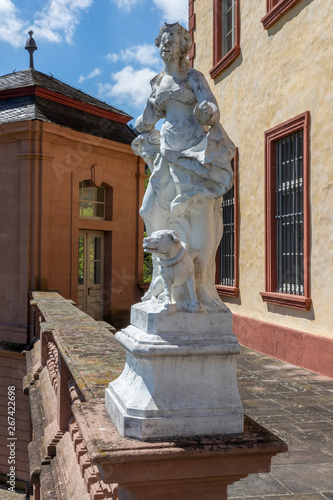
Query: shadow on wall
(288, 16)
(295, 313)
(226, 72)
(232, 300)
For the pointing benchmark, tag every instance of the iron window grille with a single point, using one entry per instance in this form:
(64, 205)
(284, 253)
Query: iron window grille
(227, 245)
(227, 254)
(289, 214)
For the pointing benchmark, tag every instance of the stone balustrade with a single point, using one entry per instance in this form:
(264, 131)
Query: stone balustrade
(72, 361)
(77, 453)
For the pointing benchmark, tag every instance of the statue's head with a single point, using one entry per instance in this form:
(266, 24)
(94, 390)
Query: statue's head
(185, 41)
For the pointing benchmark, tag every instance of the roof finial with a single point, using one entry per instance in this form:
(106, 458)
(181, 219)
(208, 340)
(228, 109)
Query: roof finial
(31, 46)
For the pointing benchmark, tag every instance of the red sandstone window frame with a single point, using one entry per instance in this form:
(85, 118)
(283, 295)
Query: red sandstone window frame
(191, 29)
(300, 122)
(275, 9)
(224, 290)
(221, 62)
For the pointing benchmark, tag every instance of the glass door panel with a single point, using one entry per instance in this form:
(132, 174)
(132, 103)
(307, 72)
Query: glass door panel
(90, 272)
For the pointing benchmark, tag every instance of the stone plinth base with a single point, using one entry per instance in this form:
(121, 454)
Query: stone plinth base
(180, 377)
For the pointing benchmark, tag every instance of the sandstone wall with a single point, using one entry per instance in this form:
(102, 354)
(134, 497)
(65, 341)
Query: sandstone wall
(12, 371)
(41, 165)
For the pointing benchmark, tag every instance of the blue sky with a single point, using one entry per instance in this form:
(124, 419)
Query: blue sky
(103, 47)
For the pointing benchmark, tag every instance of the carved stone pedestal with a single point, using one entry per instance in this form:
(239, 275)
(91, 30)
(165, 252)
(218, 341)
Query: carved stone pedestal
(180, 377)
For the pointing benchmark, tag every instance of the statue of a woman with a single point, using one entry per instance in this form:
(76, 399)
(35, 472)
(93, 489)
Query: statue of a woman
(189, 161)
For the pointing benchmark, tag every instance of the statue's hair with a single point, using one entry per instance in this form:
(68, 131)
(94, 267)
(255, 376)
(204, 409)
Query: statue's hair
(184, 37)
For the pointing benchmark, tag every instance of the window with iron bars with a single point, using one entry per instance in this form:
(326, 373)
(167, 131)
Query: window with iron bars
(289, 214)
(227, 245)
(227, 253)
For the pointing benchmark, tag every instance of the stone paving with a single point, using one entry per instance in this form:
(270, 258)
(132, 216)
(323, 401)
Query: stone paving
(297, 405)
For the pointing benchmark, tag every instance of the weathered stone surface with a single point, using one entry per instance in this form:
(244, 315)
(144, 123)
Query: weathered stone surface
(207, 464)
(175, 326)
(95, 356)
(180, 376)
(65, 335)
(10, 495)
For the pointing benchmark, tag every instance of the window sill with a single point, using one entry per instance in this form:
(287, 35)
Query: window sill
(227, 291)
(225, 61)
(276, 12)
(285, 299)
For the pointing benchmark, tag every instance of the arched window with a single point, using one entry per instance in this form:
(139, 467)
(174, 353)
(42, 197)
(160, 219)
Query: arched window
(91, 201)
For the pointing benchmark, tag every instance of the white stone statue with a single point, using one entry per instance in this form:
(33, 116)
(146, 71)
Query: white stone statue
(189, 161)
(180, 377)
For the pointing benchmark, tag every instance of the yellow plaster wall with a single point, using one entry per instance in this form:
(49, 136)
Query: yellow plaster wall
(280, 73)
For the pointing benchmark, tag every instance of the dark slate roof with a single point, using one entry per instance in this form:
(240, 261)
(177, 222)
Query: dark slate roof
(15, 109)
(38, 108)
(31, 77)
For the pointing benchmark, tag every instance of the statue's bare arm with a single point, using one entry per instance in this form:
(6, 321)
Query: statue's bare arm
(207, 111)
(146, 122)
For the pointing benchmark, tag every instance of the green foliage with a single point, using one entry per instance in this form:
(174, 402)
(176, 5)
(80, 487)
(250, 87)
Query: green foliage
(147, 260)
(147, 265)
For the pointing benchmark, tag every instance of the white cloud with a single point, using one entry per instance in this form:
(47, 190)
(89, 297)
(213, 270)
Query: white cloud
(112, 57)
(130, 85)
(144, 54)
(126, 5)
(92, 74)
(104, 89)
(58, 18)
(11, 26)
(173, 10)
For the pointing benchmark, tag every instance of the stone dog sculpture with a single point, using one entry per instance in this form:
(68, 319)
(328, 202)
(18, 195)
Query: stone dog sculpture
(176, 268)
(189, 161)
